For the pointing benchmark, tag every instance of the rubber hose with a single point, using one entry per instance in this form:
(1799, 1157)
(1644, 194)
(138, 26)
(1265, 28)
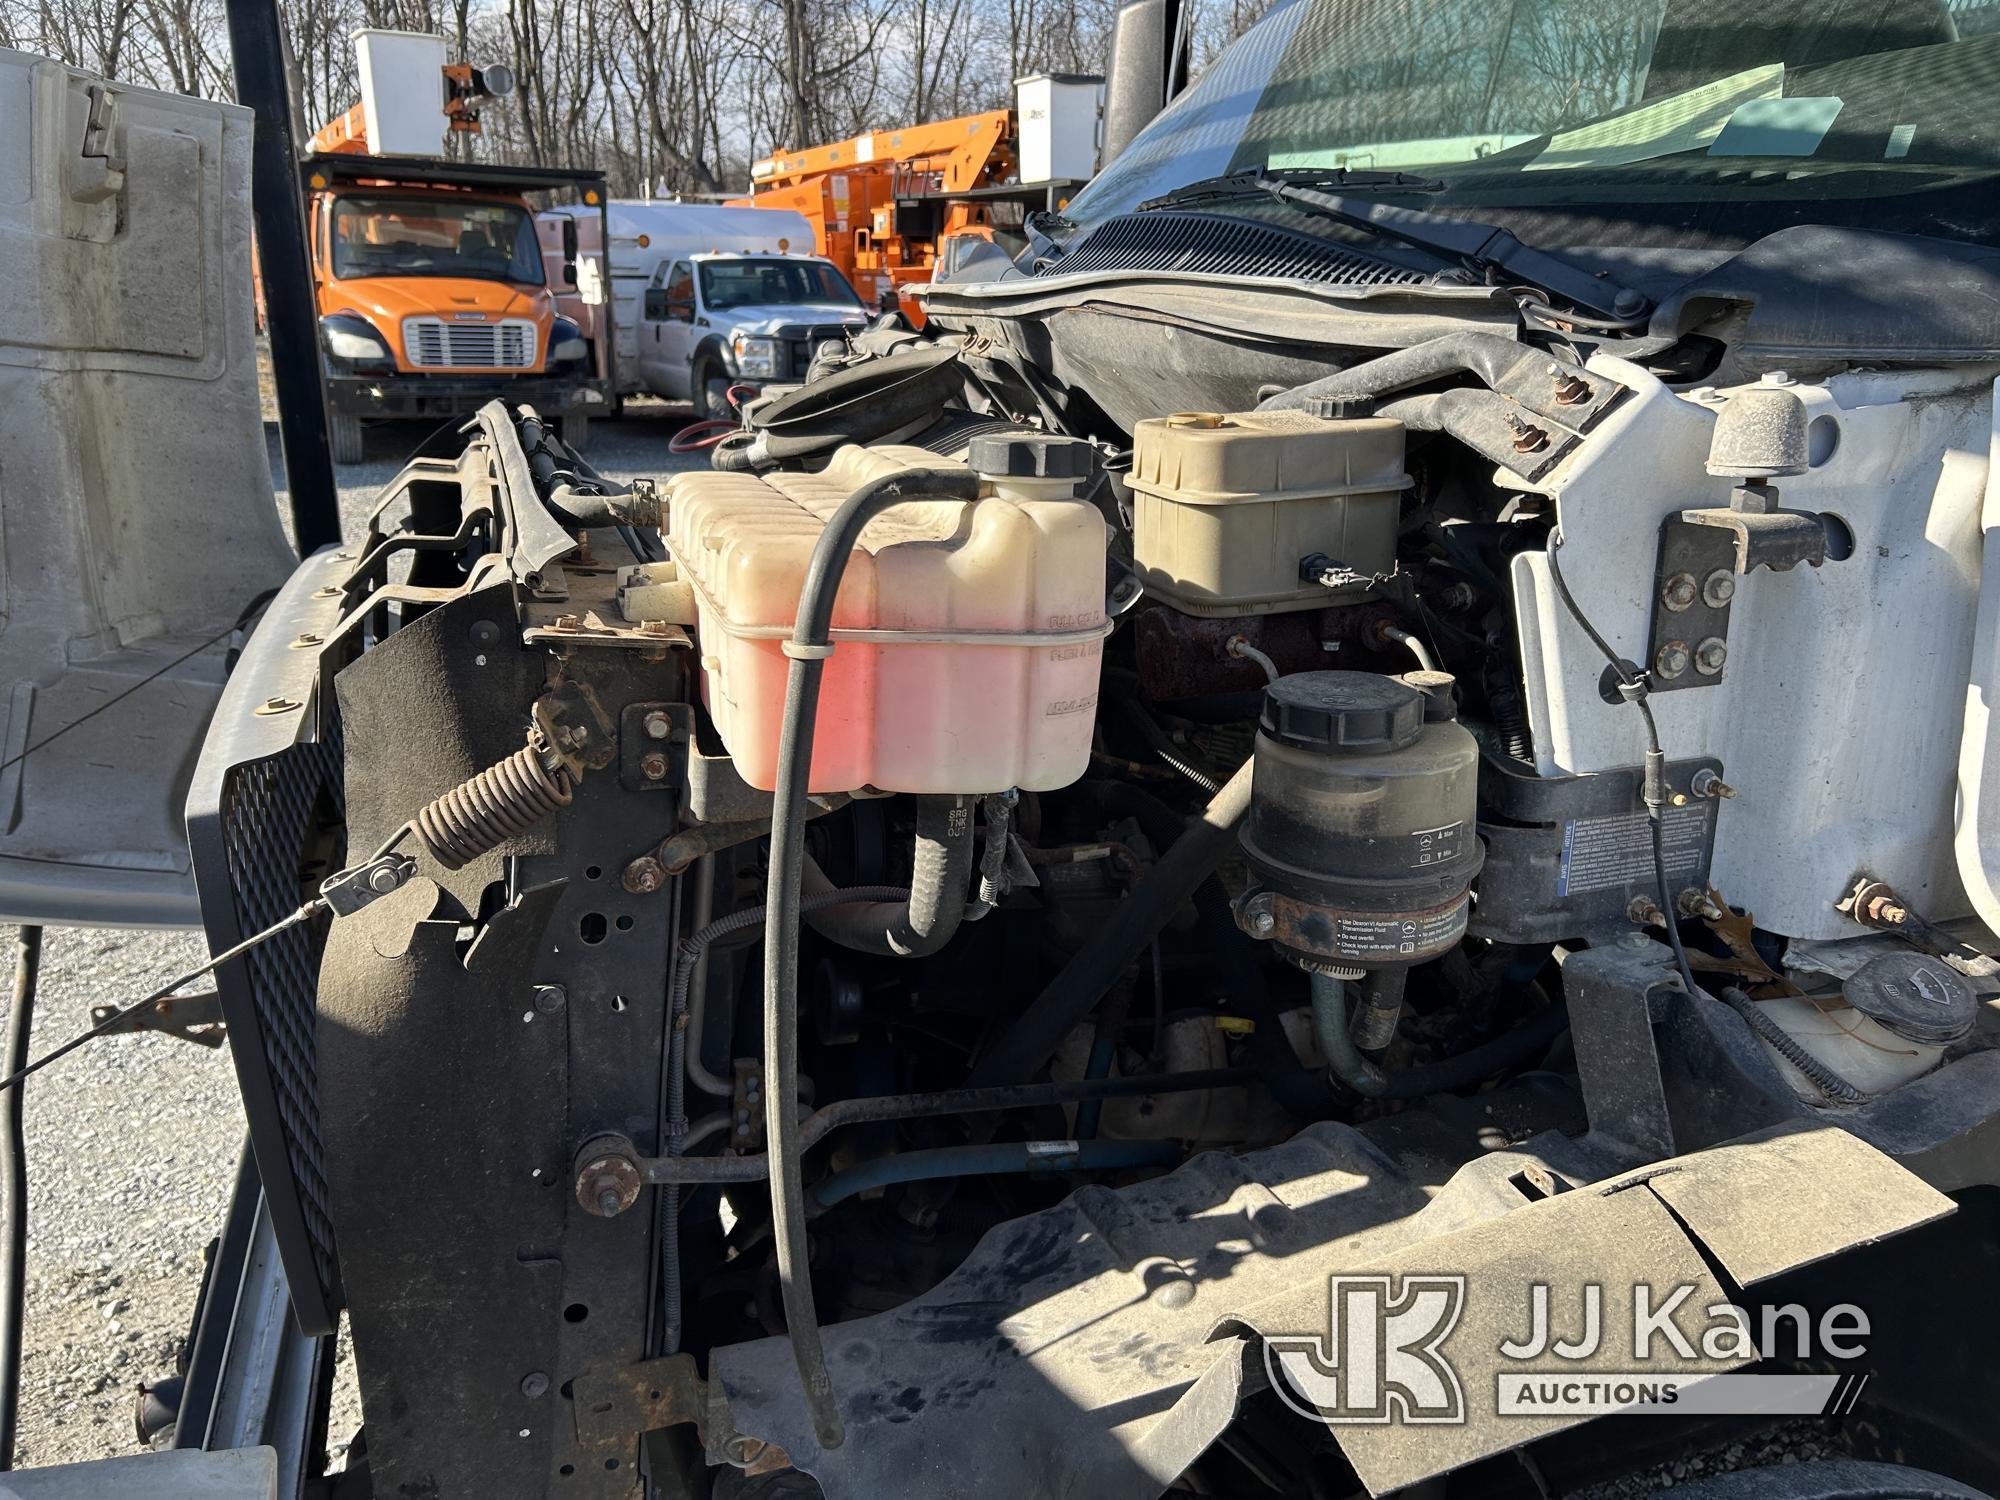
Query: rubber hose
(1336, 1042)
(1489, 356)
(923, 923)
(1204, 842)
(1786, 1046)
(14, 1189)
(811, 642)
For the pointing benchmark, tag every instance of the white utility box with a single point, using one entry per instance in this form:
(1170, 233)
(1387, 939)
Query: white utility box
(402, 91)
(1057, 116)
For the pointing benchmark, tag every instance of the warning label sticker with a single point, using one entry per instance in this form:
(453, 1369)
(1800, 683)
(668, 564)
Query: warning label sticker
(1600, 854)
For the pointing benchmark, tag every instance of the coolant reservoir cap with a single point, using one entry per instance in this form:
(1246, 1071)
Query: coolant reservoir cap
(1011, 456)
(1342, 713)
(1916, 996)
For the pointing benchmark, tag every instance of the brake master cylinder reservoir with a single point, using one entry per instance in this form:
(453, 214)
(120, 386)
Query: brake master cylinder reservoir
(1225, 509)
(1360, 837)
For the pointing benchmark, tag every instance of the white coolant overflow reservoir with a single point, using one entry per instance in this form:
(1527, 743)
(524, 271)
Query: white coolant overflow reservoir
(968, 634)
(1895, 1018)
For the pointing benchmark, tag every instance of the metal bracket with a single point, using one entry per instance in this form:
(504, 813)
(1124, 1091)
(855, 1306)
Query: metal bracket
(1612, 1010)
(1764, 535)
(192, 1018)
(653, 741)
(347, 891)
(1694, 583)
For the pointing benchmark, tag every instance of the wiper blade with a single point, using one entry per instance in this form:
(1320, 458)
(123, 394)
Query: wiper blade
(1478, 245)
(1255, 181)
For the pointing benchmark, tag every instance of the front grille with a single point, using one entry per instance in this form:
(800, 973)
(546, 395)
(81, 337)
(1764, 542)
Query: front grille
(797, 341)
(271, 810)
(1203, 244)
(438, 344)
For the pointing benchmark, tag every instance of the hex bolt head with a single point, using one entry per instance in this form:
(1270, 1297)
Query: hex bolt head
(1678, 593)
(550, 999)
(1710, 655)
(534, 1383)
(653, 766)
(1672, 659)
(1718, 588)
(658, 725)
(644, 876)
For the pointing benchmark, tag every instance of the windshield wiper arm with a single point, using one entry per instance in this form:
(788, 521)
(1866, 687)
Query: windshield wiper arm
(1479, 244)
(1255, 182)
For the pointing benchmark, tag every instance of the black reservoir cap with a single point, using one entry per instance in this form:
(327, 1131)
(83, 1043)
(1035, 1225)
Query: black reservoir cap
(1013, 456)
(1342, 713)
(1916, 996)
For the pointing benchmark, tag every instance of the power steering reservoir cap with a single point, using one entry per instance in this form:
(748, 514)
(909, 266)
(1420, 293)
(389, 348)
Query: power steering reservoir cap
(1342, 713)
(998, 456)
(1917, 996)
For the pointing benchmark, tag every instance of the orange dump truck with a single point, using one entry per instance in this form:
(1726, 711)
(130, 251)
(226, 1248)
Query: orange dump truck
(434, 296)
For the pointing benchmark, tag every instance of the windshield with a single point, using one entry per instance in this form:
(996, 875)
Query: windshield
(1610, 102)
(435, 237)
(771, 283)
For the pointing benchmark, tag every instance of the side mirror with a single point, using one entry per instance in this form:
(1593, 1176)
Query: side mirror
(656, 302)
(569, 251)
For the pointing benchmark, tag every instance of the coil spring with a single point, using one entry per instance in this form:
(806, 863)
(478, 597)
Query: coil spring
(500, 803)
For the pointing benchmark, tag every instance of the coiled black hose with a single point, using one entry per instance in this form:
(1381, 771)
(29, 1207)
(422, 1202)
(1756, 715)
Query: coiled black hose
(1786, 1046)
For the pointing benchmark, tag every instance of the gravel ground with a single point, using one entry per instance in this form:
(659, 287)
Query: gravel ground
(133, 1141)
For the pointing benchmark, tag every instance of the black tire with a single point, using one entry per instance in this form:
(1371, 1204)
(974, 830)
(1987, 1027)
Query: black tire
(573, 430)
(347, 439)
(711, 394)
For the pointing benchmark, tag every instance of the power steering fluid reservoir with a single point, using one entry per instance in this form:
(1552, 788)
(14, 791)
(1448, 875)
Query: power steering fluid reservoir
(1360, 838)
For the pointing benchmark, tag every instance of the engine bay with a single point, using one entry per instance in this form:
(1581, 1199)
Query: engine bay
(937, 930)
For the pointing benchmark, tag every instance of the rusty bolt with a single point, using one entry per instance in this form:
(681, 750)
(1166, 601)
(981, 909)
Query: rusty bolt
(652, 627)
(1705, 783)
(1718, 588)
(550, 999)
(568, 622)
(644, 875)
(658, 725)
(1710, 655)
(1679, 592)
(607, 1178)
(1644, 912)
(1527, 438)
(1672, 659)
(1571, 388)
(1694, 903)
(653, 766)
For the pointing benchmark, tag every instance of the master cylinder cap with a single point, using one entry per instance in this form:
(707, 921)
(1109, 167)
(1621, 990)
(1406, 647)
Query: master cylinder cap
(1011, 456)
(1916, 996)
(1760, 434)
(1342, 713)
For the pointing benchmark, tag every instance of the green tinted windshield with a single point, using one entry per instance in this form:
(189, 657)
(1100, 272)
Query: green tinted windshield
(1605, 100)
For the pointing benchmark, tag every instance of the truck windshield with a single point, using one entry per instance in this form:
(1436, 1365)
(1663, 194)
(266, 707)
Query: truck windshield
(1623, 105)
(434, 237)
(771, 283)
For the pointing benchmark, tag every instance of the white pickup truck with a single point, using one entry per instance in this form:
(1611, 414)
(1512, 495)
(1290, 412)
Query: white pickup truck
(712, 319)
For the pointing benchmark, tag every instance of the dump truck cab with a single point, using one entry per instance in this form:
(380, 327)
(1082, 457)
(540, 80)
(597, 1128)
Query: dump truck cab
(433, 297)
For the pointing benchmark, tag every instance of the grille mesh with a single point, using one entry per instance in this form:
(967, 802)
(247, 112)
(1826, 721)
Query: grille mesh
(1206, 244)
(268, 809)
(434, 344)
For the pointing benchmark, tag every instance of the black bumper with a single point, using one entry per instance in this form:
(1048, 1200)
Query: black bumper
(459, 396)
